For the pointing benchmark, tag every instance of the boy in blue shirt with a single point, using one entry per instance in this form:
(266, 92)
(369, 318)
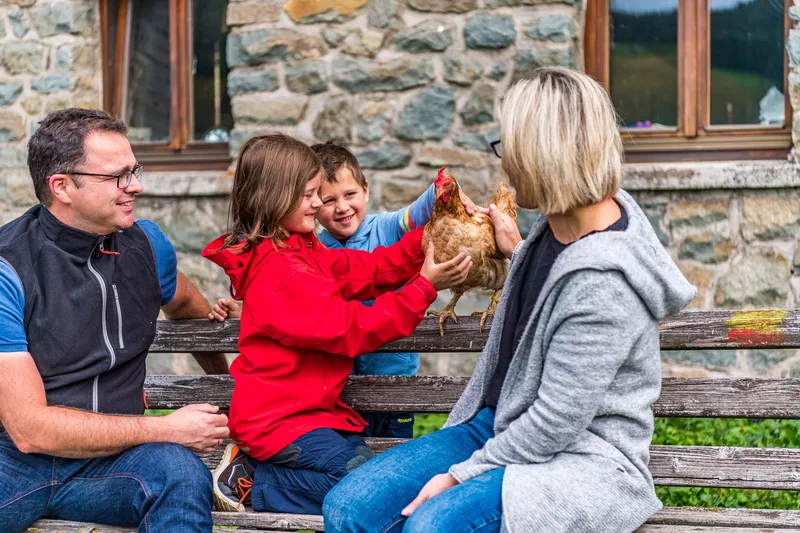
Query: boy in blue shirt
(343, 215)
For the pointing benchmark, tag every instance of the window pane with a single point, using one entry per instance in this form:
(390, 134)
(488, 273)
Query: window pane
(644, 62)
(147, 109)
(747, 62)
(212, 106)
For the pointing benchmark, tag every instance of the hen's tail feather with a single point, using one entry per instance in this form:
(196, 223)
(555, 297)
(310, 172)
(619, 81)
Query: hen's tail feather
(503, 198)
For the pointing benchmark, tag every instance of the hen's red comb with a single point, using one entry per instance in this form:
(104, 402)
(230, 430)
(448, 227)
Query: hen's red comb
(440, 177)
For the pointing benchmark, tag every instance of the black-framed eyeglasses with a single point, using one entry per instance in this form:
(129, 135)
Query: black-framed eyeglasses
(497, 147)
(123, 178)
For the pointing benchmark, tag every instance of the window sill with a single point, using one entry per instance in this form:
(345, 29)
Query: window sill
(774, 174)
(189, 183)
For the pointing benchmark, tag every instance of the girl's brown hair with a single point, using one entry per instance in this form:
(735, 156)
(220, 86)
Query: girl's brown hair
(271, 176)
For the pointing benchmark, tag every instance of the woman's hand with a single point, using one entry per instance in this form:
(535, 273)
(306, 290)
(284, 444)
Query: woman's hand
(506, 231)
(225, 308)
(438, 484)
(448, 274)
(469, 205)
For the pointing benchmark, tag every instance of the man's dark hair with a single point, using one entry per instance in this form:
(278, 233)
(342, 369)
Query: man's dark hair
(334, 157)
(58, 145)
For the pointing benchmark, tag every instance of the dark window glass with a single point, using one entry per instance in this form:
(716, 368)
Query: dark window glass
(644, 62)
(212, 106)
(147, 96)
(747, 62)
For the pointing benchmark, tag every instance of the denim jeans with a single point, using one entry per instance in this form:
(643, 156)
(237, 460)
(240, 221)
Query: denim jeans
(297, 478)
(370, 499)
(157, 487)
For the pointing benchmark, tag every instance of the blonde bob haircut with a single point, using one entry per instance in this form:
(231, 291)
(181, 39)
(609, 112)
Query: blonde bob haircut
(561, 147)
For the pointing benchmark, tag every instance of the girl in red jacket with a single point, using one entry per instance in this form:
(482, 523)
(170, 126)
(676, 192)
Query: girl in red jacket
(302, 324)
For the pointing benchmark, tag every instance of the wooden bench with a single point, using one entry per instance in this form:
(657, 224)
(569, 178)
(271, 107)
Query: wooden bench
(692, 466)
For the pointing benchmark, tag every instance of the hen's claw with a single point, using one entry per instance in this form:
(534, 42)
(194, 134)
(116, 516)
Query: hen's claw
(443, 315)
(489, 311)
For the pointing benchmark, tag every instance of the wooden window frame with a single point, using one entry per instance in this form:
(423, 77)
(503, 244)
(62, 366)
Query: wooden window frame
(180, 151)
(695, 139)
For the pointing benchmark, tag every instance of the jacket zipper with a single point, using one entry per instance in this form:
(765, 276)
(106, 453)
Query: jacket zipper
(119, 316)
(102, 284)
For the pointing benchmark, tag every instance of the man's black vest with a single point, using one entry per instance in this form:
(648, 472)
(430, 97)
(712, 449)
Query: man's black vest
(91, 305)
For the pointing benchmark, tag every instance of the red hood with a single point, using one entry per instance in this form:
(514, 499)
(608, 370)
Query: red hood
(241, 266)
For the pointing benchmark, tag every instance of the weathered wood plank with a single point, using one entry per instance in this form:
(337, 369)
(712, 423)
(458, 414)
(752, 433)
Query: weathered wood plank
(717, 329)
(680, 397)
(668, 520)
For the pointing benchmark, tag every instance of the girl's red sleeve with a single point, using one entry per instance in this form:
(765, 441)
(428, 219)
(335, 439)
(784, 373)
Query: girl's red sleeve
(305, 309)
(363, 275)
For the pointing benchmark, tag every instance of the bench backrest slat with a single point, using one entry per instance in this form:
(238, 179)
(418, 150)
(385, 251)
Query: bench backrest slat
(680, 397)
(688, 330)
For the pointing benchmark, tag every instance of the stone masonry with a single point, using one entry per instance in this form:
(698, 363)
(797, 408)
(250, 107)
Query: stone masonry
(410, 85)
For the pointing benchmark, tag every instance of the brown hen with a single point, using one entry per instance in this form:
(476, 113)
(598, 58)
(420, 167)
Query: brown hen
(452, 230)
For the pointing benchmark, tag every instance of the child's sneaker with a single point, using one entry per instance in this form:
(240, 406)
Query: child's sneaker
(233, 480)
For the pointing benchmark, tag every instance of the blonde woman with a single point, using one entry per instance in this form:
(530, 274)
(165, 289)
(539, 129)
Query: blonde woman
(553, 431)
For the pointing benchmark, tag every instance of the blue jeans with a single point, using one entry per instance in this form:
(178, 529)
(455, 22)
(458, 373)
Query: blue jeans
(297, 478)
(370, 499)
(157, 487)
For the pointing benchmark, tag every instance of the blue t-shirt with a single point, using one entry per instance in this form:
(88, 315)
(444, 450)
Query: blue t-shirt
(12, 296)
(386, 229)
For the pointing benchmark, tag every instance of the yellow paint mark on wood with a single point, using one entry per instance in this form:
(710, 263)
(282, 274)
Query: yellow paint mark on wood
(761, 321)
(298, 9)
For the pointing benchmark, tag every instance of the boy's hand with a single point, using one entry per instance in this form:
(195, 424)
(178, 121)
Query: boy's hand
(225, 308)
(448, 274)
(469, 205)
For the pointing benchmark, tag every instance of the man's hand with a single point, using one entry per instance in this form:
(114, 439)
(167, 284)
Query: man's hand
(448, 274)
(225, 308)
(200, 427)
(506, 231)
(438, 484)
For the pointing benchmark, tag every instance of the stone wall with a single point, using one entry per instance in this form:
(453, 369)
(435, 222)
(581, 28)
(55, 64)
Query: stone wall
(409, 85)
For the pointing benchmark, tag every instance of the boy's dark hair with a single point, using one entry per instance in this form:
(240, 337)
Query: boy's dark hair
(58, 145)
(334, 157)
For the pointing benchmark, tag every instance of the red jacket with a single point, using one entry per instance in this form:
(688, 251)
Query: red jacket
(302, 324)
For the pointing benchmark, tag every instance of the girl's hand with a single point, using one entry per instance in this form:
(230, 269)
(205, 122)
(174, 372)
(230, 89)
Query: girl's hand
(448, 274)
(225, 308)
(469, 205)
(506, 231)
(438, 484)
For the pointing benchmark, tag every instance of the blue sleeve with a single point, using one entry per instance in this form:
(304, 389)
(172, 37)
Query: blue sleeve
(166, 260)
(416, 215)
(12, 311)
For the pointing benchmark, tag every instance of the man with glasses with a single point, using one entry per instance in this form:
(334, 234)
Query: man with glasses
(81, 287)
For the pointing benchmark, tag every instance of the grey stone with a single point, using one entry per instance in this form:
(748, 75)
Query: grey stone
(531, 59)
(2, 28)
(9, 92)
(476, 140)
(23, 57)
(706, 248)
(268, 108)
(52, 82)
(491, 4)
(796, 263)
(462, 70)
(306, 78)
(385, 14)
(525, 220)
(12, 157)
(794, 12)
(767, 359)
(251, 81)
(364, 43)
(360, 76)
(559, 28)
(259, 46)
(654, 214)
(386, 156)
(64, 56)
(428, 36)
(334, 36)
(444, 6)
(428, 115)
(62, 17)
(305, 12)
(759, 279)
(372, 121)
(19, 26)
(335, 121)
(479, 109)
(498, 71)
(12, 126)
(706, 358)
(793, 47)
(437, 156)
(489, 32)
